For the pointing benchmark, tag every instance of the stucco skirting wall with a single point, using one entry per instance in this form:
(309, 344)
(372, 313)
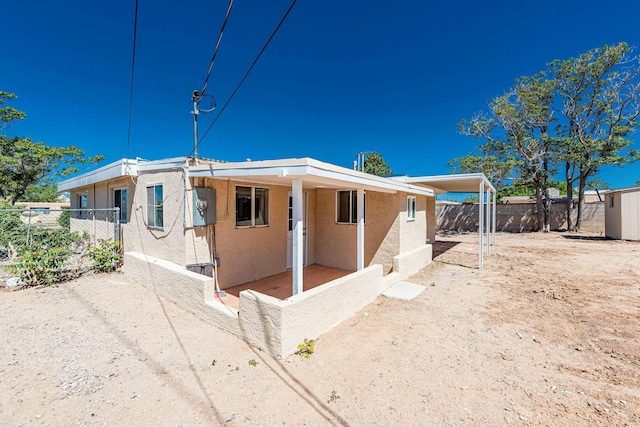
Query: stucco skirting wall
(411, 262)
(278, 326)
(174, 282)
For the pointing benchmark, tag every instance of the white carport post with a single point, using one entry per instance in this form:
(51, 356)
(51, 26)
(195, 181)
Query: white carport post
(480, 224)
(493, 217)
(360, 238)
(298, 241)
(487, 226)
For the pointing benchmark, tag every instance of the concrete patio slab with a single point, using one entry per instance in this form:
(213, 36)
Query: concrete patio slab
(404, 291)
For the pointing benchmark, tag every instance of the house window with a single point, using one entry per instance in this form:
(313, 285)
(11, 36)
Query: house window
(611, 201)
(82, 204)
(411, 208)
(155, 217)
(252, 206)
(346, 207)
(120, 201)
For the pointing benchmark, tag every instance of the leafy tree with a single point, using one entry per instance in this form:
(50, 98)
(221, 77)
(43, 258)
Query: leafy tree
(376, 165)
(522, 189)
(599, 93)
(598, 184)
(41, 192)
(8, 114)
(580, 113)
(25, 164)
(495, 169)
(471, 199)
(515, 138)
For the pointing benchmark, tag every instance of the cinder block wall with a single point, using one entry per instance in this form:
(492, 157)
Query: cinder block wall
(518, 218)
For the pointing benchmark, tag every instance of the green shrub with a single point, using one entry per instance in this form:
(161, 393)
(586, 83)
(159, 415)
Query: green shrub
(12, 230)
(307, 348)
(42, 266)
(64, 220)
(106, 255)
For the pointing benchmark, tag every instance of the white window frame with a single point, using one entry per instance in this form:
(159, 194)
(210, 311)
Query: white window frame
(124, 212)
(82, 214)
(611, 201)
(265, 220)
(353, 212)
(411, 208)
(152, 222)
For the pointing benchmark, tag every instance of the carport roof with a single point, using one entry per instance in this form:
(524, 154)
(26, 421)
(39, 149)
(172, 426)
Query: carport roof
(456, 183)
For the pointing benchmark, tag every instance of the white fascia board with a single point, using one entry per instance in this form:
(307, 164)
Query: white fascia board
(117, 169)
(230, 172)
(163, 164)
(305, 167)
(621, 190)
(368, 180)
(428, 180)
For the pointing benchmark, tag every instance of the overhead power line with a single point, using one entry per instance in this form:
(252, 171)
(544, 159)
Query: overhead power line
(255, 61)
(133, 64)
(215, 51)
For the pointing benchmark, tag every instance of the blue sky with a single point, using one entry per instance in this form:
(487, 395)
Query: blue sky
(339, 77)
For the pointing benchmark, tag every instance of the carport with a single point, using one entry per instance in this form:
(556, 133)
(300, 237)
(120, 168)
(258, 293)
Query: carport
(467, 183)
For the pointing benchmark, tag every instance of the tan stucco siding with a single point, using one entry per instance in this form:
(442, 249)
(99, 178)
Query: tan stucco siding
(311, 227)
(413, 233)
(166, 242)
(382, 229)
(431, 220)
(336, 243)
(99, 196)
(249, 253)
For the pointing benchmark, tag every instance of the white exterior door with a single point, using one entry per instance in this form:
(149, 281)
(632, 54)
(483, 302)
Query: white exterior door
(305, 214)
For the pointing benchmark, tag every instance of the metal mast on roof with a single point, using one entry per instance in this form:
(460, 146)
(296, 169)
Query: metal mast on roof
(196, 97)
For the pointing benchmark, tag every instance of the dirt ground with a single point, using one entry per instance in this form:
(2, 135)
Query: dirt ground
(547, 334)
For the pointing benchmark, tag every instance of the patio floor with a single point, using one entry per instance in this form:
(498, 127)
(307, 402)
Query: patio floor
(280, 286)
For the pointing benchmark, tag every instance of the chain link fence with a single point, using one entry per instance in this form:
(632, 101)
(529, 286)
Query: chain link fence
(43, 246)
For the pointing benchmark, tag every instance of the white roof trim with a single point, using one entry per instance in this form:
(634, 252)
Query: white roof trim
(432, 181)
(120, 168)
(163, 164)
(621, 190)
(289, 169)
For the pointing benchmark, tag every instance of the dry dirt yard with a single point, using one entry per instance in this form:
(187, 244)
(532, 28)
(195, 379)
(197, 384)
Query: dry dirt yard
(547, 334)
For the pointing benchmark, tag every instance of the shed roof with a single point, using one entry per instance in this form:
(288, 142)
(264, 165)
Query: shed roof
(622, 190)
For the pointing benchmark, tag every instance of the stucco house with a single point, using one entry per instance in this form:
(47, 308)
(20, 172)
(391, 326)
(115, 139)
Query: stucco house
(622, 213)
(298, 245)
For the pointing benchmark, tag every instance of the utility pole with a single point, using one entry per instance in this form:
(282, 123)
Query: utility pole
(195, 97)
